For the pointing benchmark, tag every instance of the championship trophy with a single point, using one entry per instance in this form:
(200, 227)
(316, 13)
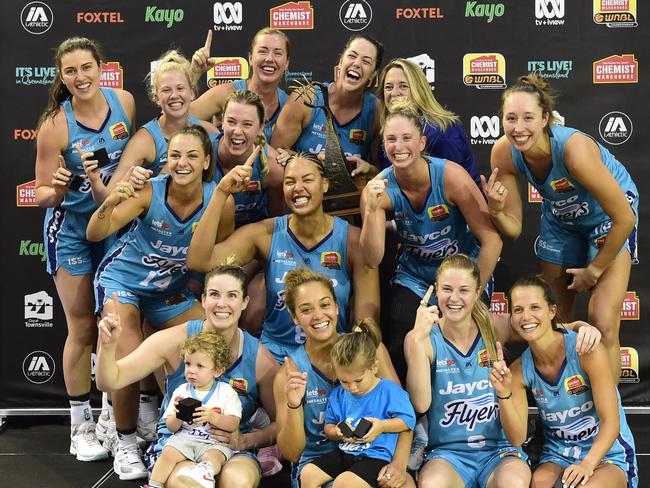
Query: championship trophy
(343, 195)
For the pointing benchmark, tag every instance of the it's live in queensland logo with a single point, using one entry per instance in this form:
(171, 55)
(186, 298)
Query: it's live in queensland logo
(615, 13)
(484, 70)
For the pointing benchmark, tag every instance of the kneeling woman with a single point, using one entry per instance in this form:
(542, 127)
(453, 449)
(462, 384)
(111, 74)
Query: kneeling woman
(451, 356)
(307, 378)
(592, 445)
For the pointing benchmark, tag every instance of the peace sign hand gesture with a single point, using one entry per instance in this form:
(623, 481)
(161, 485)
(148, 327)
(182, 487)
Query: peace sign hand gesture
(500, 376)
(426, 316)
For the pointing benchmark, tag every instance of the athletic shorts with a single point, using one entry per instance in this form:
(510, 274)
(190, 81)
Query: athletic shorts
(564, 246)
(66, 246)
(475, 467)
(337, 462)
(279, 351)
(158, 310)
(194, 449)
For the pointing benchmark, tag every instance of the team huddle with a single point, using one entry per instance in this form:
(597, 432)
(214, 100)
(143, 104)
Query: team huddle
(197, 254)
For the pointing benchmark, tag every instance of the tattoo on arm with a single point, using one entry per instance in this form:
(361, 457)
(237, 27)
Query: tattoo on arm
(102, 212)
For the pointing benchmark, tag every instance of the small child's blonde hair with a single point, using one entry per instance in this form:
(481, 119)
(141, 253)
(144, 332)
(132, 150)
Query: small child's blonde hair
(211, 344)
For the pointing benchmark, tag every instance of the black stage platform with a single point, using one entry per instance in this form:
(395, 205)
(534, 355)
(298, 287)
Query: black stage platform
(34, 453)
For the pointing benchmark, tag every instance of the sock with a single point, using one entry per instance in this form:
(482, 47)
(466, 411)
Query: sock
(209, 466)
(80, 410)
(107, 406)
(126, 438)
(148, 406)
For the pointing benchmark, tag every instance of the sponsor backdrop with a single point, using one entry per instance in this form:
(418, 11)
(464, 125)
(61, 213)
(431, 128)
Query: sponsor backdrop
(469, 50)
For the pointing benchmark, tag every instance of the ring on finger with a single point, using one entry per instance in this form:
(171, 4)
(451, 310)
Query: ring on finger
(388, 476)
(423, 303)
(501, 190)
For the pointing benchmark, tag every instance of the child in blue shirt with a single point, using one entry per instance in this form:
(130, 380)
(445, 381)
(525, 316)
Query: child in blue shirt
(360, 395)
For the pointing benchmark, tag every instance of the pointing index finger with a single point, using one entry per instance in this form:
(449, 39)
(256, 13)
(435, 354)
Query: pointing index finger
(252, 157)
(208, 41)
(427, 296)
(499, 351)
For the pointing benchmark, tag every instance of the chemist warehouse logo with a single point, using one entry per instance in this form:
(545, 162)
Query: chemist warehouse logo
(36, 18)
(617, 69)
(112, 75)
(549, 12)
(484, 70)
(38, 367)
(631, 309)
(615, 13)
(292, 16)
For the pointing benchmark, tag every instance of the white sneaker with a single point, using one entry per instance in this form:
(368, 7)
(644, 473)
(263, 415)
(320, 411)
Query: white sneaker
(199, 476)
(128, 463)
(105, 426)
(84, 443)
(148, 430)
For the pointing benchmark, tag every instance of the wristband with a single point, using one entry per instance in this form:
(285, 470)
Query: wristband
(505, 397)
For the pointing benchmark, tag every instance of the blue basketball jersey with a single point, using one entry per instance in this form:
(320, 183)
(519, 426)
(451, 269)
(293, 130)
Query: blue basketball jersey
(113, 136)
(464, 411)
(568, 414)
(251, 204)
(427, 236)
(452, 144)
(355, 136)
(150, 260)
(329, 257)
(240, 375)
(319, 388)
(153, 128)
(385, 401)
(269, 123)
(566, 202)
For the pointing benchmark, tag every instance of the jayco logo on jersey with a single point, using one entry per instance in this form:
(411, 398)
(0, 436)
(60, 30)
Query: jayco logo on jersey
(424, 239)
(615, 128)
(580, 430)
(167, 249)
(484, 129)
(36, 17)
(486, 10)
(471, 411)
(562, 415)
(549, 12)
(552, 68)
(464, 388)
(38, 367)
(355, 15)
(227, 16)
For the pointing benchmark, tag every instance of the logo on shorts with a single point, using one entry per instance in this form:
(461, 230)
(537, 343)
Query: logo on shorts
(355, 15)
(39, 309)
(629, 365)
(511, 453)
(562, 185)
(615, 13)
(38, 367)
(119, 131)
(240, 385)
(615, 128)
(616, 69)
(575, 385)
(330, 259)
(631, 309)
(175, 299)
(292, 16)
(484, 70)
(438, 212)
(36, 17)
(358, 136)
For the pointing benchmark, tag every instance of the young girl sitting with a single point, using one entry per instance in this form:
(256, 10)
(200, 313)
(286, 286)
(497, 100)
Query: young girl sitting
(364, 412)
(206, 356)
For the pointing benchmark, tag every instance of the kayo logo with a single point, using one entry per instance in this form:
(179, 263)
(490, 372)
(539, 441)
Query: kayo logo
(489, 10)
(355, 15)
(166, 15)
(229, 14)
(615, 128)
(38, 367)
(36, 17)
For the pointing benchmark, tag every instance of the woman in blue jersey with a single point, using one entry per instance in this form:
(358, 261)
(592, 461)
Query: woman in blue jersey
(438, 211)
(80, 117)
(268, 57)
(304, 382)
(587, 439)
(250, 373)
(306, 236)
(146, 269)
(353, 106)
(587, 239)
(172, 89)
(446, 137)
(448, 366)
